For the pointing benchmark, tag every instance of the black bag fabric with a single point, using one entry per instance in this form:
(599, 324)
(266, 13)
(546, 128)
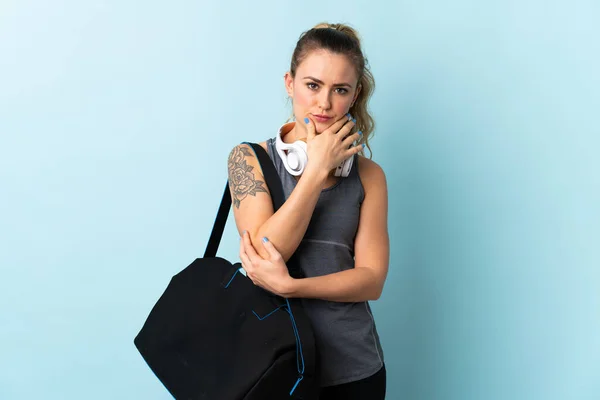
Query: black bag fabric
(214, 335)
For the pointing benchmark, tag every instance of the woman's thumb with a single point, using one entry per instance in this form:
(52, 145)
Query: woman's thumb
(310, 128)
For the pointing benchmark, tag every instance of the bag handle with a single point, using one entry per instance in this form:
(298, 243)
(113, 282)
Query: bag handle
(273, 183)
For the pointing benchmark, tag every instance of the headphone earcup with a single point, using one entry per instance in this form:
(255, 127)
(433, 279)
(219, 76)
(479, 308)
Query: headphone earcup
(344, 168)
(293, 155)
(297, 158)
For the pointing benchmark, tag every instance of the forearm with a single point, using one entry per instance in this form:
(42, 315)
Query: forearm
(352, 285)
(286, 227)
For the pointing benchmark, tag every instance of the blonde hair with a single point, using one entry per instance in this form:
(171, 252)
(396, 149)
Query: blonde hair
(342, 39)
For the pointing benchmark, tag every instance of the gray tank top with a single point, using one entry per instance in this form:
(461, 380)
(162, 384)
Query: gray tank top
(347, 341)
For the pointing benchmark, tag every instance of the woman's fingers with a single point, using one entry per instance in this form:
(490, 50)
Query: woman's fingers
(341, 124)
(250, 258)
(345, 129)
(350, 139)
(333, 129)
(355, 150)
(246, 263)
(249, 249)
(273, 253)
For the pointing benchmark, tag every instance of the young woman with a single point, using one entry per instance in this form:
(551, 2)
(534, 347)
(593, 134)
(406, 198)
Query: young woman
(335, 215)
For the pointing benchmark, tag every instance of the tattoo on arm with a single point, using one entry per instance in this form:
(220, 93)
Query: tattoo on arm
(241, 178)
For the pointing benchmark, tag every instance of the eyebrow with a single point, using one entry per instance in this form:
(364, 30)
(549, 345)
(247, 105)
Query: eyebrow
(321, 82)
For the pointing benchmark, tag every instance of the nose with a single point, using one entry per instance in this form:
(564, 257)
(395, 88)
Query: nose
(324, 100)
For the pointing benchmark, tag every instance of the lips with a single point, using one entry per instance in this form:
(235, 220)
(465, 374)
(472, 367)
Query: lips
(321, 118)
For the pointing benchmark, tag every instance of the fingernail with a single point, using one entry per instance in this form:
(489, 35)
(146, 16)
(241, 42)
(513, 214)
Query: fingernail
(349, 116)
(354, 120)
(306, 120)
(360, 133)
(265, 240)
(363, 145)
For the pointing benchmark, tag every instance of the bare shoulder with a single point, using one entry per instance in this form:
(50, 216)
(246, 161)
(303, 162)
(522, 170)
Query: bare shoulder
(245, 174)
(244, 152)
(245, 148)
(371, 174)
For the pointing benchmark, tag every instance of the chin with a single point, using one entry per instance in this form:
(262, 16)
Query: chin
(323, 126)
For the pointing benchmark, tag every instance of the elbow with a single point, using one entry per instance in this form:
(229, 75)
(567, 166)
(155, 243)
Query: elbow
(377, 292)
(374, 287)
(286, 257)
(256, 238)
(376, 295)
(369, 295)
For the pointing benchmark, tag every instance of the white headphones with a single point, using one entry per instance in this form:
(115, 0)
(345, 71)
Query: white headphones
(295, 157)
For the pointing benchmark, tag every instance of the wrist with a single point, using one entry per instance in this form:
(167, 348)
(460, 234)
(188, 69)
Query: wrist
(316, 175)
(289, 288)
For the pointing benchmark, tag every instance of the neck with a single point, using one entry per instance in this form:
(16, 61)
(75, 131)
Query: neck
(296, 133)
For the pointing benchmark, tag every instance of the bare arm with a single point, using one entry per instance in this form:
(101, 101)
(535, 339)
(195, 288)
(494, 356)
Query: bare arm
(253, 209)
(366, 280)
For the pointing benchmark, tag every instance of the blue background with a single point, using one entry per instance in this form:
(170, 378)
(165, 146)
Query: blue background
(116, 120)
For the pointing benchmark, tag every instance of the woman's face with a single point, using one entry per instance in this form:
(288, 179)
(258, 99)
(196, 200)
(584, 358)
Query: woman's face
(324, 88)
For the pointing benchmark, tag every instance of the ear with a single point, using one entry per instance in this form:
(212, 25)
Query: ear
(289, 84)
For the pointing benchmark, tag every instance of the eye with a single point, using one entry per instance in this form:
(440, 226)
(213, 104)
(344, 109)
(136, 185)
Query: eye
(312, 85)
(341, 90)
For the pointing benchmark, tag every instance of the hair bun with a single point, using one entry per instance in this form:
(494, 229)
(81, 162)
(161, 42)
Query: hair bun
(343, 28)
